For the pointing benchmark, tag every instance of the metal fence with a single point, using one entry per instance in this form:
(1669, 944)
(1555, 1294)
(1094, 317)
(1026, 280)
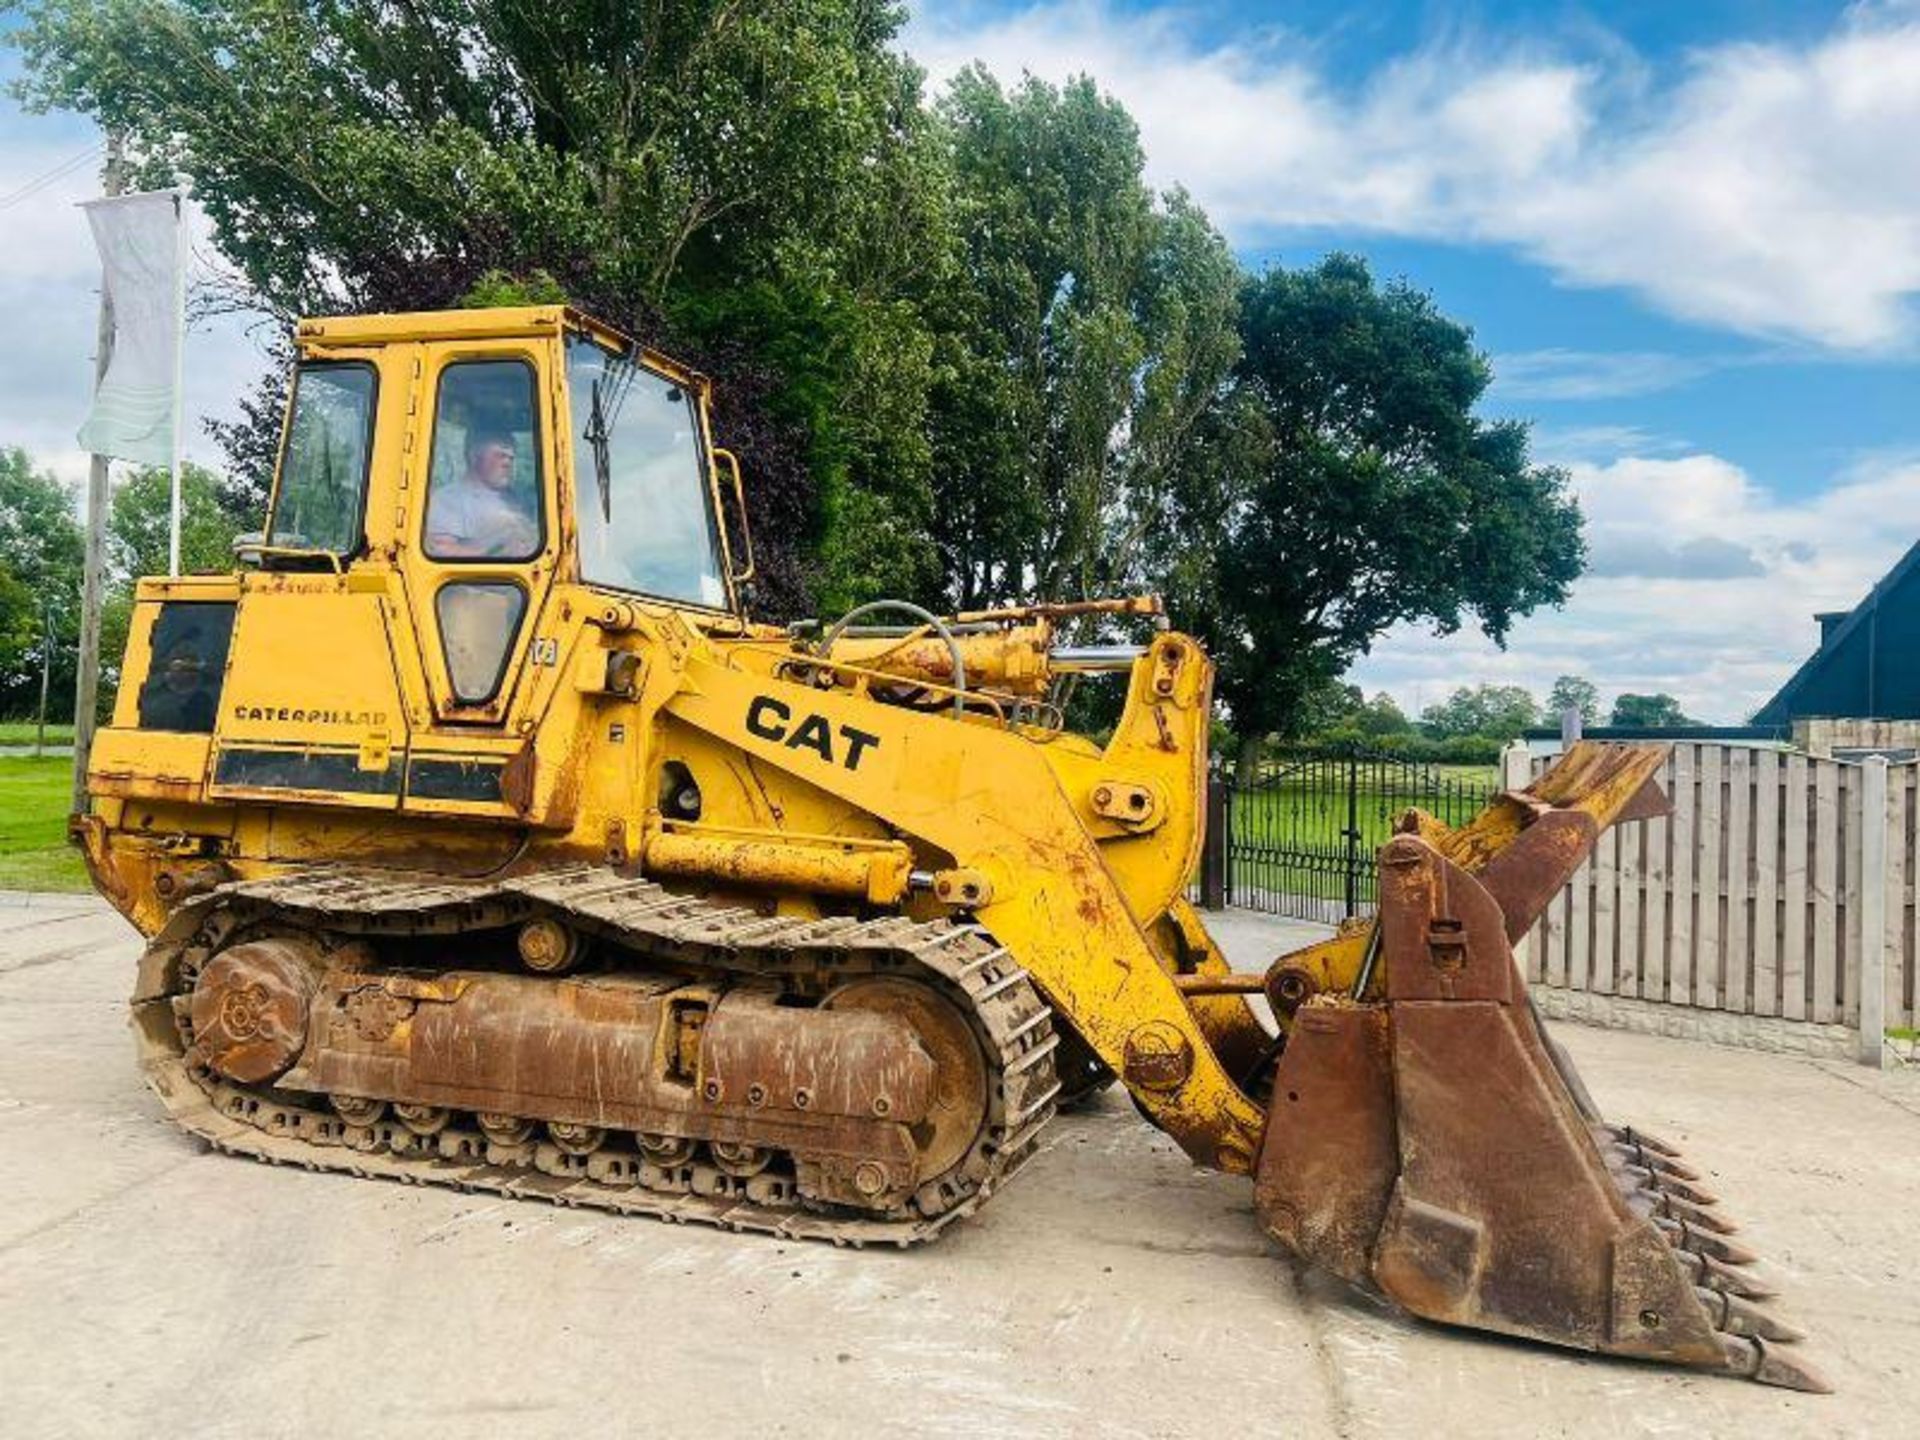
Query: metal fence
(1300, 839)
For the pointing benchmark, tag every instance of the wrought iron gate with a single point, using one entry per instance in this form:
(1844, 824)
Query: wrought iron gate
(1301, 838)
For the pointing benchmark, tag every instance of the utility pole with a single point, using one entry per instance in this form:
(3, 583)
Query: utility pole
(86, 687)
(46, 675)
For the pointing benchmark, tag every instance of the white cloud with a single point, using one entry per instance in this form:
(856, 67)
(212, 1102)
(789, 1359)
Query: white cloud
(1562, 374)
(1572, 444)
(1712, 588)
(1769, 190)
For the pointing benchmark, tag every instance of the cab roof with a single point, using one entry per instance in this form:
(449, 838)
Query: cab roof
(494, 323)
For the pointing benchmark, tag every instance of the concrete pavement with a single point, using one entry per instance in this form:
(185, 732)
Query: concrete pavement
(150, 1287)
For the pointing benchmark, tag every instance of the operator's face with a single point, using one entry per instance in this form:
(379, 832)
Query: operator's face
(492, 465)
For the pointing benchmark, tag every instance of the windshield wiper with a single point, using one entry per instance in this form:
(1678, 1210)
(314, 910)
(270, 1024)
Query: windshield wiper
(596, 436)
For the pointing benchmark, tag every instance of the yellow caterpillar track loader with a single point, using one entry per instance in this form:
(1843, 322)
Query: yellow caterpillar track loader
(481, 840)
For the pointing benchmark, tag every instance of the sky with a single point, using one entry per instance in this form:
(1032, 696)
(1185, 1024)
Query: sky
(1687, 236)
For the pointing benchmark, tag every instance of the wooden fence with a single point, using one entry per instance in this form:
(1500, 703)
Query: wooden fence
(1781, 886)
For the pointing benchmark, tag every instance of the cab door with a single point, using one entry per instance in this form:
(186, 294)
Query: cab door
(311, 709)
(480, 551)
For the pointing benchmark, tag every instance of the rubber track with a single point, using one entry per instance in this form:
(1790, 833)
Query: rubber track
(1007, 1012)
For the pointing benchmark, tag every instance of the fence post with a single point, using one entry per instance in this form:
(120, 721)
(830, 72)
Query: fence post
(1213, 852)
(1516, 773)
(1874, 884)
(1351, 896)
(1516, 766)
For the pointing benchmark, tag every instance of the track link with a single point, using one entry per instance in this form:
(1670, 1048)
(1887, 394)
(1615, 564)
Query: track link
(1014, 1025)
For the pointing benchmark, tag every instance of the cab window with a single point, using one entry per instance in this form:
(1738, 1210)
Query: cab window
(323, 462)
(484, 498)
(477, 624)
(640, 472)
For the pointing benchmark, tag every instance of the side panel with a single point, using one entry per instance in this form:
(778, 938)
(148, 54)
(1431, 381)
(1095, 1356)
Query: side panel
(312, 707)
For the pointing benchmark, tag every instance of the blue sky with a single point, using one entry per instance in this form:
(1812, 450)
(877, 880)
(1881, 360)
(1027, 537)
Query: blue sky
(1688, 235)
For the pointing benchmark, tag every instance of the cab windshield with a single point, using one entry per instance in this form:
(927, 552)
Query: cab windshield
(640, 478)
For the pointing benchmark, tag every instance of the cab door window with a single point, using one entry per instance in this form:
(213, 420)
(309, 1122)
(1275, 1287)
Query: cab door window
(484, 499)
(484, 515)
(477, 623)
(322, 489)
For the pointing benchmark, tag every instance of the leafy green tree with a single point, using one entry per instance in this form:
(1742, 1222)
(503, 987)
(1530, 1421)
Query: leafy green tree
(1382, 717)
(1653, 712)
(1498, 712)
(41, 553)
(754, 186)
(1372, 493)
(1080, 344)
(1572, 692)
(140, 521)
(1333, 706)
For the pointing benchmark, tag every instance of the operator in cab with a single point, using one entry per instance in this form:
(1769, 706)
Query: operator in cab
(483, 514)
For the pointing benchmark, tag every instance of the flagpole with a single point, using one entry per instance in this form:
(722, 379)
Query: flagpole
(179, 369)
(87, 664)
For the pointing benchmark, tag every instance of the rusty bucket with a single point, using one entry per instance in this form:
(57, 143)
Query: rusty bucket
(1428, 1140)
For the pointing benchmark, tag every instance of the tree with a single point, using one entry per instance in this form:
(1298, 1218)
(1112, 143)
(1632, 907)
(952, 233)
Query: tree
(1498, 712)
(41, 553)
(1650, 712)
(753, 186)
(140, 521)
(1080, 343)
(1348, 486)
(1383, 717)
(1332, 706)
(1572, 692)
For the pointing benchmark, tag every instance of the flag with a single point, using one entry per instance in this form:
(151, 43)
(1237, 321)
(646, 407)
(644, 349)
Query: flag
(133, 410)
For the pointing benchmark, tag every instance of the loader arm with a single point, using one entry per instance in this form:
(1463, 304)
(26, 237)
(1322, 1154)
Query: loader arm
(992, 800)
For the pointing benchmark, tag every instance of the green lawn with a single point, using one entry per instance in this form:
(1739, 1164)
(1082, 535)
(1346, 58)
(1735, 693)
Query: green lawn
(1306, 809)
(34, 796)
(22, 732)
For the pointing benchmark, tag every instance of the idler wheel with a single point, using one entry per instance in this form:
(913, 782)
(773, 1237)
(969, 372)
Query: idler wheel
(575, 1139)
(959, 1105)
(422, 1120)
(505, 1129)
(250, 1009)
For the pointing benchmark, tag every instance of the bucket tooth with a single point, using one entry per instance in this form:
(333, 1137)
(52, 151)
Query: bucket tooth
(1685, 1189)
(1658, 1161)
(1638, 1177)
(1742, 1317)
(1668, 1166)
(1773, 1365)
(1703, 1216)
(1731, 1279)
(1655, 1203)
(1709, 1243)
(1627, 1134)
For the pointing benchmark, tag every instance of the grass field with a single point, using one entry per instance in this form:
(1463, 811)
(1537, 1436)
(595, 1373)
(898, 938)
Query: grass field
(34, 796)
(22, 732)
(1306, 808)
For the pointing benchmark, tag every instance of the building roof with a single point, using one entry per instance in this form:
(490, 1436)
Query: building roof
(1868, 663)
